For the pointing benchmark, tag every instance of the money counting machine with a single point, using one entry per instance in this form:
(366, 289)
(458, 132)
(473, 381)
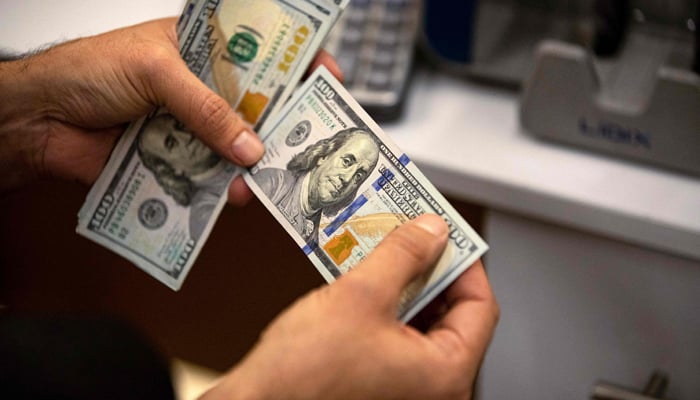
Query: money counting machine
(635, 96)
(614, 76)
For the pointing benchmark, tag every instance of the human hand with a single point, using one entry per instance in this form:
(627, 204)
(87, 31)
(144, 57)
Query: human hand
(343, 341)
(63, 109)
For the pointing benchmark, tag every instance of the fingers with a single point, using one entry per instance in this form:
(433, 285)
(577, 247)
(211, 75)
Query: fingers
(402, 256)
(239, 194)
(326, 59)
(207, 114)
(472, 316)
(212, 119)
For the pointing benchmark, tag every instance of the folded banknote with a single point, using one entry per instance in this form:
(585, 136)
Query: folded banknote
(162, 190)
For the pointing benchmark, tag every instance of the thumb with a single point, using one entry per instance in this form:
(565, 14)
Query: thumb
(403, 255)
(206, 113)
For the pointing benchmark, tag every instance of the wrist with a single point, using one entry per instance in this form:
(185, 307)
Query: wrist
(23, 121)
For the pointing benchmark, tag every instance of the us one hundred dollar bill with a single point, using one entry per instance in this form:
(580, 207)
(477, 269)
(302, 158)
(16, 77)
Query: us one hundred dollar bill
(339, 185)
(162, 190)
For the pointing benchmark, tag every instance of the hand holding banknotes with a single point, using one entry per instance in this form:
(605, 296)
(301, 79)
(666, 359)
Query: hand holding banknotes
(64, 108)
(343, 341)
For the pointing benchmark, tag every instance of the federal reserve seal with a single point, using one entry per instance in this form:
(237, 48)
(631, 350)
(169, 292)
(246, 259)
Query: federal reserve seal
(299, 134)
(153, 213)
(243, 46)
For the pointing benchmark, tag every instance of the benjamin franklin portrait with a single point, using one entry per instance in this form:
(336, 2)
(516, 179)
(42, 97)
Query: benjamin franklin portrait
(187, 170)
(322, 179)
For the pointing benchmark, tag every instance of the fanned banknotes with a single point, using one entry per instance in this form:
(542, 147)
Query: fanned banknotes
(162, 190)
(339, 185)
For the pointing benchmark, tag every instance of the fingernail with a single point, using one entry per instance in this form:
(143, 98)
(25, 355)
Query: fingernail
(247, 148)
(432, 224)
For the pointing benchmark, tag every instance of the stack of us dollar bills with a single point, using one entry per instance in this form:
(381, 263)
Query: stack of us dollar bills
(330, 175)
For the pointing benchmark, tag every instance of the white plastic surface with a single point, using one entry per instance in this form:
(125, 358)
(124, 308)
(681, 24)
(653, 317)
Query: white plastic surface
(465, 137)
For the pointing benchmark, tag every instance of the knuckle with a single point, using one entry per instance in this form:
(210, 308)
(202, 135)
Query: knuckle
(169, 26)
(213, 112)
(152, 65)
(409, 243)
(154, 59)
